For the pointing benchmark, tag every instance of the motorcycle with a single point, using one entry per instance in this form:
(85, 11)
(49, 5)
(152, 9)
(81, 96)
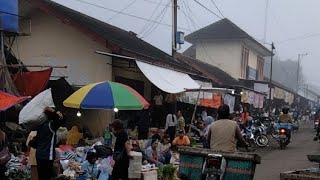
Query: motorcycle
(316, 124)
(280, 132)
(213, 167)
(283, 138)
(248, 136)
(260, 135)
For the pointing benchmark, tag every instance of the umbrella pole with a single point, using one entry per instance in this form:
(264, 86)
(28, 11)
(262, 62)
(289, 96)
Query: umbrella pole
(195, 109)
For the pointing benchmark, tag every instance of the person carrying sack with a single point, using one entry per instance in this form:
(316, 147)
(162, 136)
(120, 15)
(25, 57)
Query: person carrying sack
(5, 155)
(170, 128)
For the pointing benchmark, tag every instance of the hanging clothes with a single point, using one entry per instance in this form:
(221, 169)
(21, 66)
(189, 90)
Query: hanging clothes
(245, 96)
(261, 101)
(256, 100)
(251, 97)
(230, 101)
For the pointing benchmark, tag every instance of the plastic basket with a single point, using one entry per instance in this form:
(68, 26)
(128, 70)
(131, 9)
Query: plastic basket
(239, 170)
(191, 166)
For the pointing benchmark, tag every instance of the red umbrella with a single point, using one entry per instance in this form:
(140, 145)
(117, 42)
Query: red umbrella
(8, 100)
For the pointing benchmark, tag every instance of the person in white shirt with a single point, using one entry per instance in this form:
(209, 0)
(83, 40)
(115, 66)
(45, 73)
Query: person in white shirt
(171, 124)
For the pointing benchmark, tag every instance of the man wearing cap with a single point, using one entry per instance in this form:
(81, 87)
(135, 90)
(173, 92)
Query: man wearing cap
(181, 140)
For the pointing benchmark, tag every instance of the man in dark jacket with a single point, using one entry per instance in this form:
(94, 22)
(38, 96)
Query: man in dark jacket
(45, 142)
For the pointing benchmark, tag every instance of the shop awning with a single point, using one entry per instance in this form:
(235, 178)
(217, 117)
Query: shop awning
(8, 100)
(167, 80)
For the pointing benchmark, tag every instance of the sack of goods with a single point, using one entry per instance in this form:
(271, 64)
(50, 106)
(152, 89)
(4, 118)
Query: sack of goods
(32, 114)
(135, 165)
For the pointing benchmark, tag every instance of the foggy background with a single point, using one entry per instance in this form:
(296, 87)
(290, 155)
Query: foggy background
(291, 24)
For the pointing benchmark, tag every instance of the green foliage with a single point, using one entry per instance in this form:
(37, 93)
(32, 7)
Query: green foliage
(167, 171)
(18, 175)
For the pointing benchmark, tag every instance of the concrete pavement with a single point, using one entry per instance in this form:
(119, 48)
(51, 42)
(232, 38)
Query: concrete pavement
(294, 157)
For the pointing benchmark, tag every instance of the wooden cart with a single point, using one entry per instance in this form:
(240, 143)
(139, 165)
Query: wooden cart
(304, 174)
(240, 166)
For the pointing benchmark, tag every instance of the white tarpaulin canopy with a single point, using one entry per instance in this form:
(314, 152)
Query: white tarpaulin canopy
(167, 80)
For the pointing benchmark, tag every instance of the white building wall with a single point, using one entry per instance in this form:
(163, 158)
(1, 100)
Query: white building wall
(223, 54)
(55, 43)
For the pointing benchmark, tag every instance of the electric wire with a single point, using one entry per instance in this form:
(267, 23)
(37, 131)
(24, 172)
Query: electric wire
(127, 14)
(153, 26)
(217, 8)
(148, 22)
(157, 25)
(121, 10)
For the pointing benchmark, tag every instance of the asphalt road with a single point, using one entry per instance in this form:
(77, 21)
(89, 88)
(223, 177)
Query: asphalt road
(294, 157)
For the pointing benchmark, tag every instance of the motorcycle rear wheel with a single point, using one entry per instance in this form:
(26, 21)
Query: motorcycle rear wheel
(262, 140)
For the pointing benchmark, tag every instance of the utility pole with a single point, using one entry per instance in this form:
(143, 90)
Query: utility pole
(266, 22)
(298, 71)
(272, 48)
(174, 26)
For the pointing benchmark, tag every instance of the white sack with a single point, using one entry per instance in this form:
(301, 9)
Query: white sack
(32, 112)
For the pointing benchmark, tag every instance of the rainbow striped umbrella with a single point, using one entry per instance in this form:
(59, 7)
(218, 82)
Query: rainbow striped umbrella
(106, 95)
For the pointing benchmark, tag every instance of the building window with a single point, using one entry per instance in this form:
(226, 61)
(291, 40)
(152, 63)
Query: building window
(244, 62)
(260, 66)
(252, 73)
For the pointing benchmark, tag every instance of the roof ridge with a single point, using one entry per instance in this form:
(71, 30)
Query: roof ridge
(115, 28)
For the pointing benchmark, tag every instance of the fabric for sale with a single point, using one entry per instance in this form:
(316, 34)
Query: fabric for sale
(261, 101)
(8, 100)
(256, 100)
(167, 80)
(245, 96)
(32, 111)
(31, 83)
(230, 101)
(251, 97)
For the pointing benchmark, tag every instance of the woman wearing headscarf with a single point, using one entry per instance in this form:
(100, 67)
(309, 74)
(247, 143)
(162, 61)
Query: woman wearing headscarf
(207, 122)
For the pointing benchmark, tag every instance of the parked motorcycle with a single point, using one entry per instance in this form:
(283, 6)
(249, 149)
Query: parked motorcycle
(213, 167)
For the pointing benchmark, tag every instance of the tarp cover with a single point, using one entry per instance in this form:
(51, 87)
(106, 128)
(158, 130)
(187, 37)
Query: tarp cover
(31, 113)
(167, 80)
(8, 100)
(31, 83)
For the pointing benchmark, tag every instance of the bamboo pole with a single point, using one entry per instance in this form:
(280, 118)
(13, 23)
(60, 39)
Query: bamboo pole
(195, 109)
(40, 66)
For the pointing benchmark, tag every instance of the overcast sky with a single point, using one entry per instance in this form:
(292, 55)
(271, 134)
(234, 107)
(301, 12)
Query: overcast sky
(286, 19)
